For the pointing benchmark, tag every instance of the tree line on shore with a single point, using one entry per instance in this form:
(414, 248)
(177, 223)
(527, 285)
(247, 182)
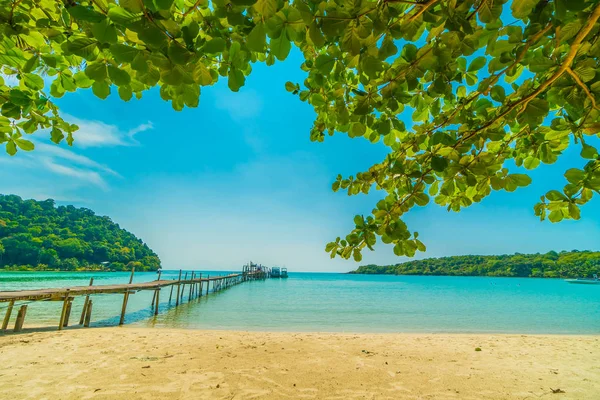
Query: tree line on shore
(566, 264)
(37, 235)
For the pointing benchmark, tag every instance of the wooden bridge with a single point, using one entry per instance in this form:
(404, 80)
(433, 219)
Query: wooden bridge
(195, 286)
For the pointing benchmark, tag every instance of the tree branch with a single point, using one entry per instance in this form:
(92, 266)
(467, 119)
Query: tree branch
(583, 86)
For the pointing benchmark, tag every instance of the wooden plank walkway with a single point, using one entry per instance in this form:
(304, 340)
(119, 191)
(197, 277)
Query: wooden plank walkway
(60, 293)
(195, 287)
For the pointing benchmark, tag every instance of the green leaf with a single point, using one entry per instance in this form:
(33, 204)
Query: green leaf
(531, 162)
(520, 179)
(123, 17)
(325, 63)
(88, 14)
(84, 47)
(20, 97)
(439, 164)
(236, 79)
(243, 2)
(125, 93)
(101, 89)
(31, 64)
(11, 110)
(202, 75)
(33, 81)
(135, 6)
(56, 135)
(24, 144)
(257, 39)
(589, 152)
(97, 71)
(555, 195)
(421, 199)
(123, 53)
(497, 93)
(522, 8)
(105, 32)
(537, 107)
(574, 211)
(586, 74)
(556, 216)
(11, 148)
(357, 255)
(316, 36)
(216, 45)
(118, 76)
(281, 47)
(178, 54)
(153, 37)
(290, 87)
(477, 64)
(575, 175)
(266, 8)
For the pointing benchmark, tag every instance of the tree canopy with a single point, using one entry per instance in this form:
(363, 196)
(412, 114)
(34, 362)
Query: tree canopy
(462, 92)
(566, 264)
(36, 235)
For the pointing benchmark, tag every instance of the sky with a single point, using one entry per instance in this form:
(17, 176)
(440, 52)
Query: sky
(238, 179)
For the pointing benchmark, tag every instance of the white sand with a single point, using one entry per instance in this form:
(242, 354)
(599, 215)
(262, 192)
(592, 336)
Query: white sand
(141, 363)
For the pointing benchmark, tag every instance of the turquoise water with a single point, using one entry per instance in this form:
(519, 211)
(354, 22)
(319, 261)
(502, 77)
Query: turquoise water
(341, 303)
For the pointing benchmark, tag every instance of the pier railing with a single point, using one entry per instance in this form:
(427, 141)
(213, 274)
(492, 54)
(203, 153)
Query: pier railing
(196, 285)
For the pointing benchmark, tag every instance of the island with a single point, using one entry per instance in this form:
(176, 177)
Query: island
(39, 236)
(564, 264)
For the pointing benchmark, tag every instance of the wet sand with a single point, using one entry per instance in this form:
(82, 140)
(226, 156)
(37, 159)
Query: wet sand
(141, 363)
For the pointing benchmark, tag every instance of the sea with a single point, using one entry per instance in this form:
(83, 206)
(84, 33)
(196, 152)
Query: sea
(333, 302)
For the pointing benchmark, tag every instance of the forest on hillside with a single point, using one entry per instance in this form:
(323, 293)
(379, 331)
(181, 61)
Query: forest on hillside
(566, 264)
(37, 235)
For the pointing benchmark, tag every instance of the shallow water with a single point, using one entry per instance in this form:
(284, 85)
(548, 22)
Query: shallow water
(340, 302)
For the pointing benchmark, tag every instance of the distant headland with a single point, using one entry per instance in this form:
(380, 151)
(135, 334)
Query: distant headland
(566, 264)
(38, 236)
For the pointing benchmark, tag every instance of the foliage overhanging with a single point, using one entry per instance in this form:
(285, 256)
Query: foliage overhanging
(484, 81)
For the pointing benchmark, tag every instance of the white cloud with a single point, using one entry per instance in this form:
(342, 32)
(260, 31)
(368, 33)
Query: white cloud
(243, 105)
(54, 151)
(98, 134)
(51, 171)
(84, 175)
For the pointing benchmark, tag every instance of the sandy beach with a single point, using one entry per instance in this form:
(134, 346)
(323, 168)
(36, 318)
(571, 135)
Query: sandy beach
(141, 363)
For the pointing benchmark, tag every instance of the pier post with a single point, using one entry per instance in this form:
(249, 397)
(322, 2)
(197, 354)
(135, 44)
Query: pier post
(85, 304)
(126, 298)
(63, 313)
(154, 295)
(183, 288)
(200, 286)
(178, 285)
(20, 318)
(157, 293)
(171, 294)
(88, 314)
(124, 307)
(207, 284)
(68, 313)
(7, 315)
(191, 287)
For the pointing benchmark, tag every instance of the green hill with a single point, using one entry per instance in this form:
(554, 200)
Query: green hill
(37, 235)
(566, 264)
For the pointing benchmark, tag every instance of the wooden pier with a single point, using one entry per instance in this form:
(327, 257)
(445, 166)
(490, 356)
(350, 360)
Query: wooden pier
(195, 285)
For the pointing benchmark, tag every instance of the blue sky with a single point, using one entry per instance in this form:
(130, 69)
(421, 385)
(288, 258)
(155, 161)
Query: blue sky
(237, 179)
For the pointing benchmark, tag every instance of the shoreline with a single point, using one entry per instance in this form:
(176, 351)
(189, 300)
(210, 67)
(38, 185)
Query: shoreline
(144, 325)
(112, 362)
